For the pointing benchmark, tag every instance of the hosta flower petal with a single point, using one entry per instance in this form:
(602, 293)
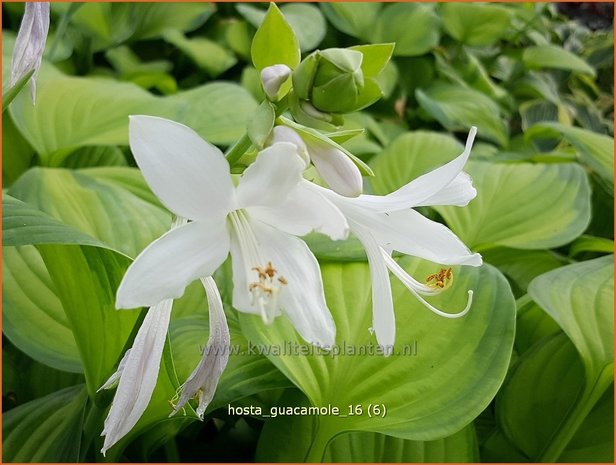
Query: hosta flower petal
(300, 293)
(169, 264)
(409, 232)
(304, 210)
(203, 380)
(383, 317)
(112, 381)
(139, 374)
(336, 168)
(30, 43)
(458, 192)
(190, 176)
(275, 173)
(420, 190)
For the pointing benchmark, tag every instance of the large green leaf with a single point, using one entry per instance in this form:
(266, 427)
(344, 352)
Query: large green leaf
(459, 108)
(522, 266)
(206, 54)
(457, 369)
(553, 56)
(85, 279)
(22, 224)
(522, 206)
(45, 430)
(16, 152)
(218, 111)
(596, 150)
(475, 24)
(460, 447)
(75, 111)
(282, 434)
(354, 19)
(90, 203)
(580, 298)
(110, 24)
(537, 402)
(414, 27)
(33, 317)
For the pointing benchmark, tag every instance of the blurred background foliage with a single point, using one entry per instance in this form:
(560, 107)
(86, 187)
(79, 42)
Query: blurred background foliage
(535, 78)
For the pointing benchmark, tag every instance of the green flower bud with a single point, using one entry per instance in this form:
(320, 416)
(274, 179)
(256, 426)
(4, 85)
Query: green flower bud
(340, 80)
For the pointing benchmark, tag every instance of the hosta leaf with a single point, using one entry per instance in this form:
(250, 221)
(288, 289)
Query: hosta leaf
(95, 206)
(219, 111)
(580, 298)
(46, 429)
(428, 396)
(523, 206)
(596, 150)
(553, 56)
(75, 111)
(475, 24)
(354, 19)
(33, 317)
(393, 26)
(537, 404)
(280, 442)
(459, 108)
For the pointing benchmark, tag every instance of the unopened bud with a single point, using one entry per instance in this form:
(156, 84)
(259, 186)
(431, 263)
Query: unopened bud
(336, 168)
(30, 43)
(286, 134)
(273, 77)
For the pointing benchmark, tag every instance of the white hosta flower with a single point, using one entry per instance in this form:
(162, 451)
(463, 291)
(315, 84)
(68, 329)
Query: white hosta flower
(334, 166)
(203, 380)
(30, 43)
(388, 223)
(272, 78)
(274, 272)
(138, 370)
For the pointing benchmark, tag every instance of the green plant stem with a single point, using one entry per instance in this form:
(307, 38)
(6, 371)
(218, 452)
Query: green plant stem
(577, 415)
(237, 150)
(91, 428)
(9, 95)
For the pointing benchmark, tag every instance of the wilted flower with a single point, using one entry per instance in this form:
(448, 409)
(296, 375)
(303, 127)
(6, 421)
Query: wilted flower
(388, 223)
(30, 43)
(257, 221)
(138, 370)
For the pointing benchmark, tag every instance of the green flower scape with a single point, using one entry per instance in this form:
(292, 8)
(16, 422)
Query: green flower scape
(392, 89)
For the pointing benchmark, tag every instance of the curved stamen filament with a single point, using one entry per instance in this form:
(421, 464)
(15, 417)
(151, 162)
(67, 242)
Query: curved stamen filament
(418, 288)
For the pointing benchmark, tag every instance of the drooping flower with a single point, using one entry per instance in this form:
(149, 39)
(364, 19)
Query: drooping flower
(30, 43)
(203, 380)
(388, 223)
(333, 165)
(138, 370)
(274, 272)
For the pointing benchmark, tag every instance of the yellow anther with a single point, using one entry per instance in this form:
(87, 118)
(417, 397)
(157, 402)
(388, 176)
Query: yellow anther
(442, 280)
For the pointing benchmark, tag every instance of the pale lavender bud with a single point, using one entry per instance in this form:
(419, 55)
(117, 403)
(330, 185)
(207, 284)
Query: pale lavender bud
(30, 43)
